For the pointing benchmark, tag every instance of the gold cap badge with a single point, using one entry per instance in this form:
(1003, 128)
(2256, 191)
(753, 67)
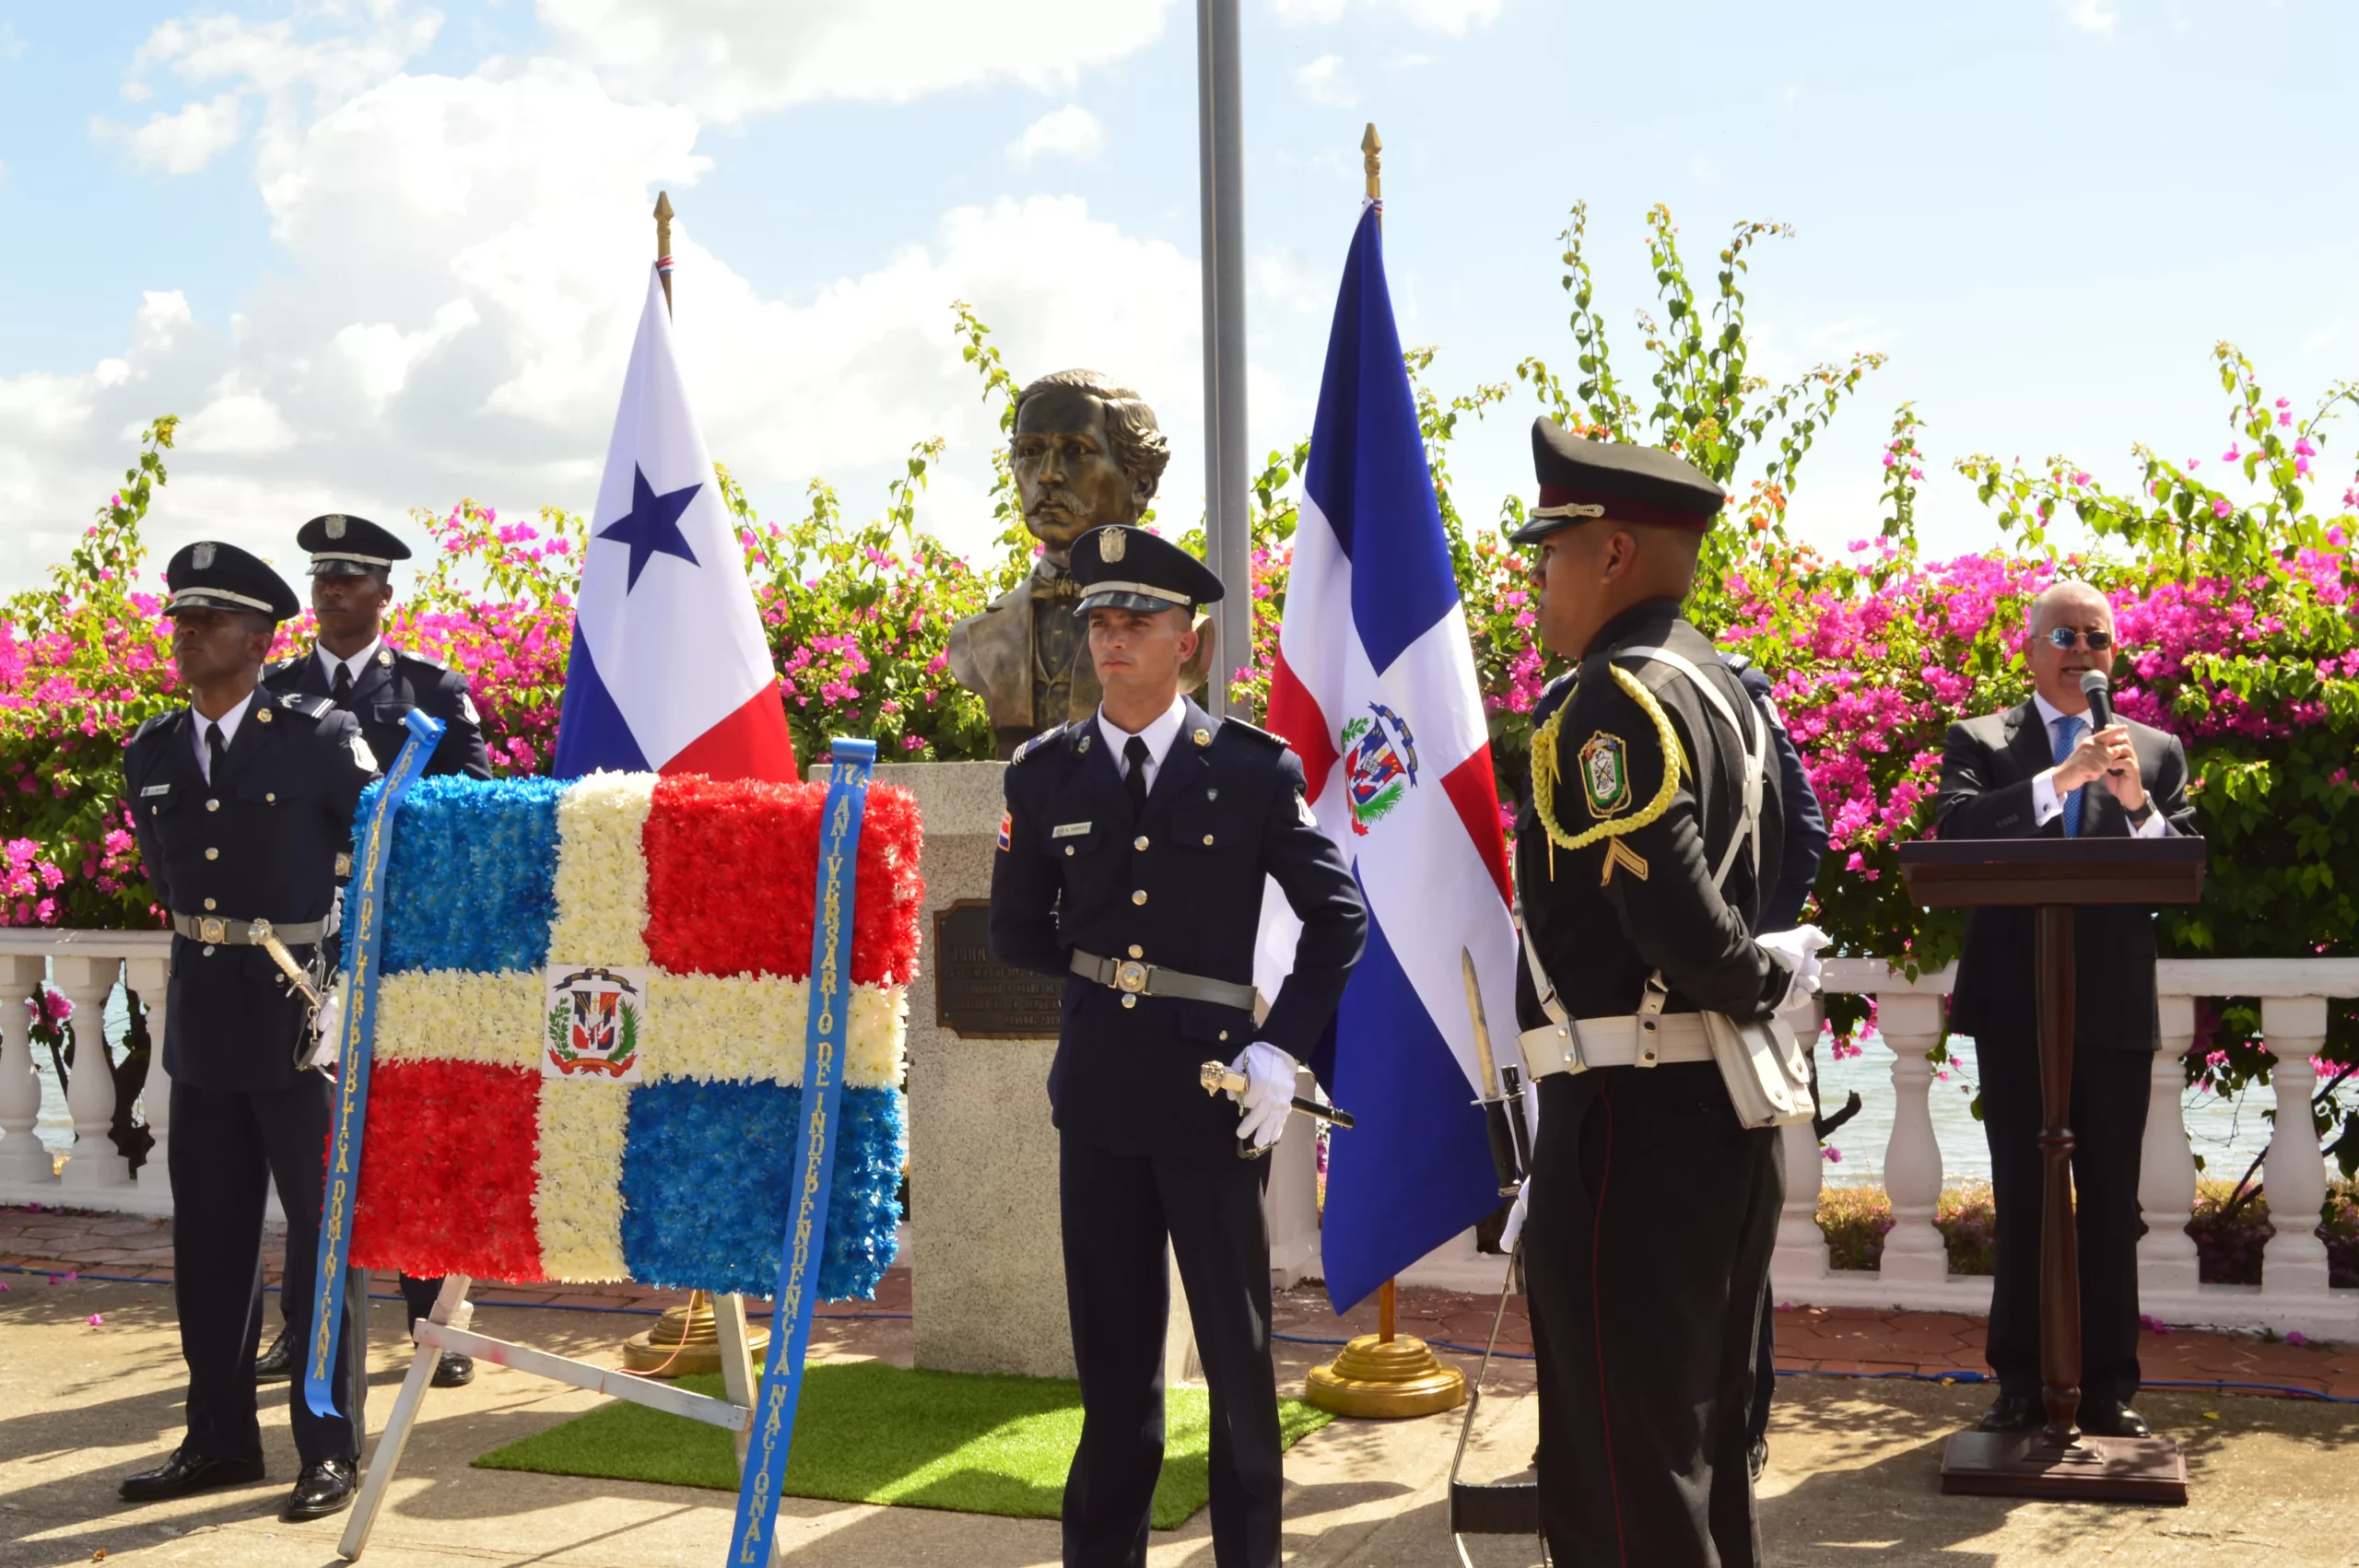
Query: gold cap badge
(202, 556)
(1112, 546)
(334, 525)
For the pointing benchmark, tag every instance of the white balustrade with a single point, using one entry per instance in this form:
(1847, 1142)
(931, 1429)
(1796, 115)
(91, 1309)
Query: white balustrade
(1291, 1202)
(97, 1163)
(2167, 1260)
(2293, 1265)
(25, 1161)
(1800, 1259)
(151, 978)
(1913, 1253)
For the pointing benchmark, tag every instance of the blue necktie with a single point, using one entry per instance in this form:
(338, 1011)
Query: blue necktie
(2068, 737)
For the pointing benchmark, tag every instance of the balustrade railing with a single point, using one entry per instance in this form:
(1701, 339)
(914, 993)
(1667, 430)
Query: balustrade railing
(1914, 1272)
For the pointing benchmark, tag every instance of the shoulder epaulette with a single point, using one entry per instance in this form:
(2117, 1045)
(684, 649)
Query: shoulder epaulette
(416, 658)
(309, 707)
(154, 723)
(280, 666)
(1037, 743)
(1255, 730)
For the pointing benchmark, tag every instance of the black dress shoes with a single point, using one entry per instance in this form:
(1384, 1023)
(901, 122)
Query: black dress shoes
(2115, 1421)
(2013, 1413)
(277, 1364)
(323, 1489)
(185, 1472)
(454, 1371)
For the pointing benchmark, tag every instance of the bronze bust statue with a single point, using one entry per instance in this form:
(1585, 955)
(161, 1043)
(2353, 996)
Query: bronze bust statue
(1086, 453)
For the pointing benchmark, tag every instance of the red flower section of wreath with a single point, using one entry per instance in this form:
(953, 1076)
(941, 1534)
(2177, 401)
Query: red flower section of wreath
(448, 1171)
(732, 866)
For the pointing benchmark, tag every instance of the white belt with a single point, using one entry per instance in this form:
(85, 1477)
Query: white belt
(1626, 1040)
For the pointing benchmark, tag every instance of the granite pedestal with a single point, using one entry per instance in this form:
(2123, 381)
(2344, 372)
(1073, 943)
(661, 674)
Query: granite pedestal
(987, 1264)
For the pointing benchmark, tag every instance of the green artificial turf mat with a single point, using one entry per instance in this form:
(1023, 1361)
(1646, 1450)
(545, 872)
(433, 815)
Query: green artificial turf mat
(868, 1432)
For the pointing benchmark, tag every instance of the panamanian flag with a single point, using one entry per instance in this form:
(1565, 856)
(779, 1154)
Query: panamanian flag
(1375, 689)
(670, 672)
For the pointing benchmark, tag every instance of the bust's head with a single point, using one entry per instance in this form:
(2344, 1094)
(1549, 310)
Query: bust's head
(1086, 453)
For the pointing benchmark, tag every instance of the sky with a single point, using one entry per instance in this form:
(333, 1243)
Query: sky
(379, 256)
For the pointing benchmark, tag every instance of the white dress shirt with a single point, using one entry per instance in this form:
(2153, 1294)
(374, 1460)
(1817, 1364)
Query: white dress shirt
(357, 663)
(2047, 806)
(1158, 735)
(228, 723)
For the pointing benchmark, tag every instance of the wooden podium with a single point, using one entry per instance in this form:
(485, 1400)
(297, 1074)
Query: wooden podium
(2054, 875)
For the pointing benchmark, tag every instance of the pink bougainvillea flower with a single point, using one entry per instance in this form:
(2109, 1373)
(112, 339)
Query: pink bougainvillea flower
(2220, 506)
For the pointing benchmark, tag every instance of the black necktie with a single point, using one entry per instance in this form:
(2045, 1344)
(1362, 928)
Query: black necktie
(342, 693)
(215, 749)
(1134, 780)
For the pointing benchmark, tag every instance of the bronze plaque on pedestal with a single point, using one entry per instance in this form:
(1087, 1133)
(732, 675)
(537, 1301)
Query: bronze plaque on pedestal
(977, 997)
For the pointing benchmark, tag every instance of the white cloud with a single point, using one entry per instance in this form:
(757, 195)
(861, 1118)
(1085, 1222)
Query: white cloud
(1071, 132)
(728, 59)
(2092, 16)
(11, 46)
(461, 264)
(184, 142)
(1451, 17)
(1322, 82)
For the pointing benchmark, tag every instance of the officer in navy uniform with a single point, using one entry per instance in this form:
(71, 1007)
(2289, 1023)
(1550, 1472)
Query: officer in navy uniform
(1133, 856)
(243, 802)
(1652, 1209)
(353, 666)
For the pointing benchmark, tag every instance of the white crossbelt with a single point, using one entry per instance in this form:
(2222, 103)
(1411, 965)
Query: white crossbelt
(1627, 1039)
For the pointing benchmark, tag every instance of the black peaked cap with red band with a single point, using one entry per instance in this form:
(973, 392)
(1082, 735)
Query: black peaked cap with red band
(1581, 479)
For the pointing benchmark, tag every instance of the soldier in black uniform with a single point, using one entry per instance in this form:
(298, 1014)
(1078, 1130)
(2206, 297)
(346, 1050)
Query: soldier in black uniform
(1133, 856)
(354, 667)
(1652, 1209)
(244, 802)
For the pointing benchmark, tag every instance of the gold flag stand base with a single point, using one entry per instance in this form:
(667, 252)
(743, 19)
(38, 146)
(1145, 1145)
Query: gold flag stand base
(1385, 1375)
(685, 1340)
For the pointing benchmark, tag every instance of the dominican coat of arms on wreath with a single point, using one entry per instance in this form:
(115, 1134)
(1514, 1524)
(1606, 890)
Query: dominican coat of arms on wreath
(597, 1024)
(1381, 761)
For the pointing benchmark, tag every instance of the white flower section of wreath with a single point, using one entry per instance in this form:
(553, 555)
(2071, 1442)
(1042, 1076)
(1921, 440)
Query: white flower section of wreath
(601, 884)
(460, 1015)
(713, 1027)
(578, 1199)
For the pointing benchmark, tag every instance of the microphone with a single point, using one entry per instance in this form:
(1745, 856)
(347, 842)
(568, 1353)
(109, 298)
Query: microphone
(2099, 691)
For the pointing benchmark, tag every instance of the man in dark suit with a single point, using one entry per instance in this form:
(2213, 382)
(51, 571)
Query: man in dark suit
(2039, 770)
(354, 667)
(244, 803)
(1132, 862)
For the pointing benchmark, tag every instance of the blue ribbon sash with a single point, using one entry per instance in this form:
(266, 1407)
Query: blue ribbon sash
(343, 1195)
(812, 1177)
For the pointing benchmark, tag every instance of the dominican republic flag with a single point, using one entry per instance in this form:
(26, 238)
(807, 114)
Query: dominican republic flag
(670, 672)
(1375, 689)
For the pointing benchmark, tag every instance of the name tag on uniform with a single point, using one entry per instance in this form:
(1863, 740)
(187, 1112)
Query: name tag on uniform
(157, 790)
(1069, 830)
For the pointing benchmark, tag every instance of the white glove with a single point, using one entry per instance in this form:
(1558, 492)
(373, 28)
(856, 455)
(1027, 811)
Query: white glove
(328, 1024)
(1269, 1094)
(1800, 948)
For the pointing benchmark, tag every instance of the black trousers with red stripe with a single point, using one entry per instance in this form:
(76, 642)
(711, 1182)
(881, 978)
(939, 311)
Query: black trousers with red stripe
(1647, 1254)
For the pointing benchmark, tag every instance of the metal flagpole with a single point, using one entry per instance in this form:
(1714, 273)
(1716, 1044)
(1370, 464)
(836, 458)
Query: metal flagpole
(1222, 173)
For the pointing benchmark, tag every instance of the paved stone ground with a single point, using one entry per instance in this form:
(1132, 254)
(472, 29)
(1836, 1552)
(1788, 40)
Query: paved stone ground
(1853, 1462)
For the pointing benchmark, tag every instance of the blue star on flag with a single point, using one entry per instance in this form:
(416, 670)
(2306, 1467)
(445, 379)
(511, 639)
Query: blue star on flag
(651, 527)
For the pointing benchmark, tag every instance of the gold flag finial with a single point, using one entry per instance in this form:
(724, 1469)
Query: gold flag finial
(664, 243)
(1372, 150)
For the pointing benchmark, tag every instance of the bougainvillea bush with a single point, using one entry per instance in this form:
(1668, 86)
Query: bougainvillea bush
(2230, 570)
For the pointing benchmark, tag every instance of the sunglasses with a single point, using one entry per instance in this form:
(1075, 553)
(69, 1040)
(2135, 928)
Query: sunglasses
(2065, 637)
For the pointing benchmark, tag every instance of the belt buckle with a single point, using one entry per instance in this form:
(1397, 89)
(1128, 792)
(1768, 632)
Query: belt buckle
(1130, 976)
(212, 929)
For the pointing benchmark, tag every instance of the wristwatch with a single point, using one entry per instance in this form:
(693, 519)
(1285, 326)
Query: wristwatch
(2138, 818)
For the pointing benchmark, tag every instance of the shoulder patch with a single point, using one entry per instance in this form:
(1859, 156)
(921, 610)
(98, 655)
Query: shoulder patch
(1036, 743)
(1255, 730)
(309, 707)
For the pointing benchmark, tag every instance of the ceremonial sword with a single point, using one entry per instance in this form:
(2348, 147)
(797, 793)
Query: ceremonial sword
(1220, 1078)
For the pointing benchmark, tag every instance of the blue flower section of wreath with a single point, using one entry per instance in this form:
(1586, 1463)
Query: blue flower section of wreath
(706, 1193)
(470, 884)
